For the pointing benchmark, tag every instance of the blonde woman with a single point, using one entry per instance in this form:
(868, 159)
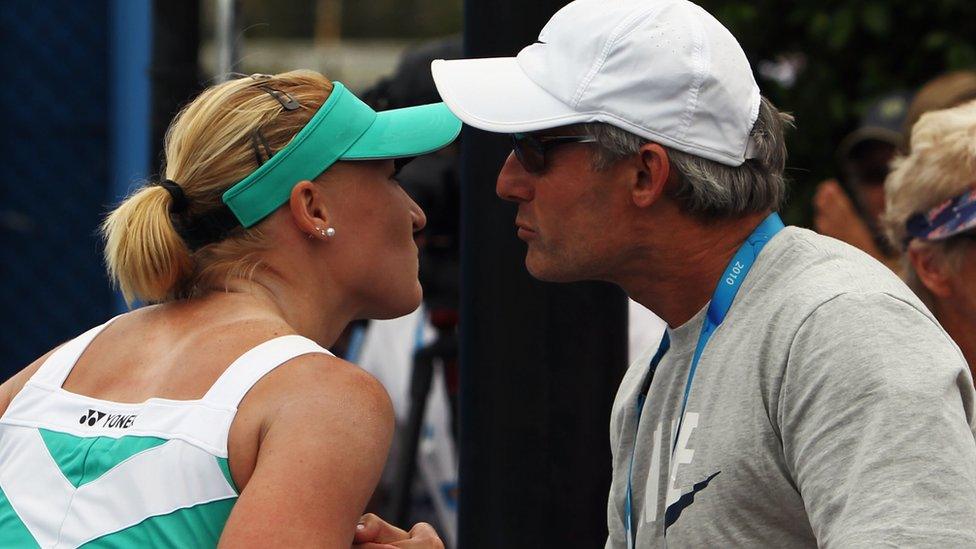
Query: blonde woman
(216, 414)
(931, 215)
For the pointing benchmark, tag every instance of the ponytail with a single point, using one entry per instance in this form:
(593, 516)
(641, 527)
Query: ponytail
(146, 258)
(209, 147)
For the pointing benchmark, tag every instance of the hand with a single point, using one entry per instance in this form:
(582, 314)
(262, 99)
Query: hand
(372, 532)
(835, 216)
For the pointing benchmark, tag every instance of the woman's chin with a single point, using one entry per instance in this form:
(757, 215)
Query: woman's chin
(402, 305)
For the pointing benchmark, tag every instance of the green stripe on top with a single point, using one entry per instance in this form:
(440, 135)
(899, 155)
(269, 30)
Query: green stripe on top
(225, 469)
(13, 533)
(84, 459)
(197, 526)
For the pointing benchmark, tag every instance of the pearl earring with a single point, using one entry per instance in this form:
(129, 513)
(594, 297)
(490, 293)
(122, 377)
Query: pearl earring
(330, 232)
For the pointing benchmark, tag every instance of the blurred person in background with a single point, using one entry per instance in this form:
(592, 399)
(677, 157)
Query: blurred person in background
(216, 413)
(849, 209)
(931, 216)
(853, 215)
(942, 92)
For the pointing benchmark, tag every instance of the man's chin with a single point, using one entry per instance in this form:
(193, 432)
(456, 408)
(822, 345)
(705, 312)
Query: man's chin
(548, 273)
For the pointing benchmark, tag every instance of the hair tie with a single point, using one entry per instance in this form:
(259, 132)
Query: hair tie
(180, 202)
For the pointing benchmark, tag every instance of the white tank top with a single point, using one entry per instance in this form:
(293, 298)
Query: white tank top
(76, 470)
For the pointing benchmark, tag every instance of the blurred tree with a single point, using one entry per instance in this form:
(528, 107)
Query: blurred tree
(825, 60)
(328, 20)
(401, 18)
(276, 19)
(331, 19)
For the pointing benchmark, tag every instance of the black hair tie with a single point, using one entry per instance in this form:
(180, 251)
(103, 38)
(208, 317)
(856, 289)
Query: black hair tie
(180, 203)
(203, 229)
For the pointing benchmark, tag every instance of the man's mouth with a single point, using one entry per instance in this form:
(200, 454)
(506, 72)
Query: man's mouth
(524, 231)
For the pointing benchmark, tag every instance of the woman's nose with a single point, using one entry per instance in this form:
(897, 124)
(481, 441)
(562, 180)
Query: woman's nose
(419, 217)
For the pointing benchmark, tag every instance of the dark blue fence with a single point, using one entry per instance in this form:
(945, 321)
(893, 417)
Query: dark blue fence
(54, 173)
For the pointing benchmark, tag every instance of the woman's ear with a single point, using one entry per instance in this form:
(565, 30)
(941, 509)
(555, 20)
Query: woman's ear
(932, 269)
(308, 209)
(652, 173)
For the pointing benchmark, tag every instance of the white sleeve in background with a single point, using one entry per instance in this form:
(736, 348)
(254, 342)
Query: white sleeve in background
(644, 330)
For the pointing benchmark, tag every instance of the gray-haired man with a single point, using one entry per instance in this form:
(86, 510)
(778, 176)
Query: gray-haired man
(802, 395)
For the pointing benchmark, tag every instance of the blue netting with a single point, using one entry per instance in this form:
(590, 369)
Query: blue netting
(54, 182)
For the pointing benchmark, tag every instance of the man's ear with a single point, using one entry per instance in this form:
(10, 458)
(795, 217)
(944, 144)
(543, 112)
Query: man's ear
(308, 209)
(931, 269)
(653, 171)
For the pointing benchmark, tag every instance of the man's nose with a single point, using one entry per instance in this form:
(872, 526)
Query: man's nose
(513, 181)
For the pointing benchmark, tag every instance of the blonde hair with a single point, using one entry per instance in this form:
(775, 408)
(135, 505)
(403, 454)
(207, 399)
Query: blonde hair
(208, 149)
(942, 165)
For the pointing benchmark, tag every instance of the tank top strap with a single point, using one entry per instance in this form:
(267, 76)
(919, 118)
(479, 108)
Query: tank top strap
(244, 372)
(56, 368)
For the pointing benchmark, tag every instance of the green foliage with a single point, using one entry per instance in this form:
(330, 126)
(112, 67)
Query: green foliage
(855, 51)
(401, 18)
(359, 19)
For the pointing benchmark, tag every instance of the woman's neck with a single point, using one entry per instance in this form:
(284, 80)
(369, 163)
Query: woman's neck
(313, 314)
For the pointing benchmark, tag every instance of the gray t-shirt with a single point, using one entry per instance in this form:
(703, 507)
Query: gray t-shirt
(828, 409)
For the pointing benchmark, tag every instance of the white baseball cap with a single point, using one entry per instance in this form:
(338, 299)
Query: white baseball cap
(665, 70)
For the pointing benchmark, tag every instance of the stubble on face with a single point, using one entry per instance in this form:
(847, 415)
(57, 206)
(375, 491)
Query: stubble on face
(574, 212)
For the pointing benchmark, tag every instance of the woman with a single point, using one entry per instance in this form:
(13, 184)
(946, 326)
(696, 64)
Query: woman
(216, 414)
(931, 215)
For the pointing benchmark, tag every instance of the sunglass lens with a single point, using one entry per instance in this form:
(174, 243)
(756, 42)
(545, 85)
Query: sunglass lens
(529, 152)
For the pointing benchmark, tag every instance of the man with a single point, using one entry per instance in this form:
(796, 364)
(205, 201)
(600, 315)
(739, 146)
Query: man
(850, 211)
(802, 396)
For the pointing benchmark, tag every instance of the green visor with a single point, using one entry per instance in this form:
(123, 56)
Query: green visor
(344, 128)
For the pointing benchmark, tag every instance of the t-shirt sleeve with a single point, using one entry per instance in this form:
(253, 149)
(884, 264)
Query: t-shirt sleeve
(876, 417)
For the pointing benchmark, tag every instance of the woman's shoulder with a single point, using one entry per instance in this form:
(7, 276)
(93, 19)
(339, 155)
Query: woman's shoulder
(327, 384)
(314, 434)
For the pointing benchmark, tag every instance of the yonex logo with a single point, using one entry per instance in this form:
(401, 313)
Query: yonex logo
(92, 417)
(112, 421)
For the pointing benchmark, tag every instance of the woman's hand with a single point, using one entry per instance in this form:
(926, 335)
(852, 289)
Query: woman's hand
(372, 532)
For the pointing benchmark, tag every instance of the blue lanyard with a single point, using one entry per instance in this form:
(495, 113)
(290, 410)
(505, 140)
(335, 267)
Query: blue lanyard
(728, 287)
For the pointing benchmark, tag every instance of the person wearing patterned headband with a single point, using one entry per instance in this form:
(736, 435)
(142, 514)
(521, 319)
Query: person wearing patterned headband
(931, 215)
(216, 414)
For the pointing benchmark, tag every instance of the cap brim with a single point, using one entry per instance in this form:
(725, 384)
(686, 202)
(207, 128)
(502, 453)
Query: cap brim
(495, 95)
(401, 133)
(867, 133)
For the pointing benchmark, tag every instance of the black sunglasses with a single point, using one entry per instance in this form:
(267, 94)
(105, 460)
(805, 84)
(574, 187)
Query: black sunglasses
(530, 150)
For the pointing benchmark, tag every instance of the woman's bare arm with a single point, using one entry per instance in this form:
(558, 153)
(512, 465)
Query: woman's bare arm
(323, 446)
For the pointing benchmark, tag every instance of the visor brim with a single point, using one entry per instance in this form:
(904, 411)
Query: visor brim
(401, 133)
